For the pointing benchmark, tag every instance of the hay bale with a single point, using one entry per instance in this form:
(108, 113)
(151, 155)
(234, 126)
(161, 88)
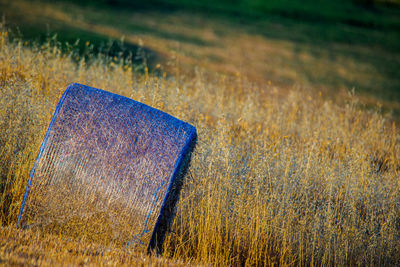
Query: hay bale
(109, 170)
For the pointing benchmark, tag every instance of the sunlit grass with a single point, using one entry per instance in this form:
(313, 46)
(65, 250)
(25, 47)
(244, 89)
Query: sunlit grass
(275, 179)
(32, 247)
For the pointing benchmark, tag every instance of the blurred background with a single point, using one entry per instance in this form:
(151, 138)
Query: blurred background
(328, 46)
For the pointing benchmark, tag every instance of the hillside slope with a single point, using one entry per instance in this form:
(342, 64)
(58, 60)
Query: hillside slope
(328, 46)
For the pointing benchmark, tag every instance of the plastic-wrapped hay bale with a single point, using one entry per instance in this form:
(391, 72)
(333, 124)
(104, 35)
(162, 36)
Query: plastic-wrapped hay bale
(109, 170)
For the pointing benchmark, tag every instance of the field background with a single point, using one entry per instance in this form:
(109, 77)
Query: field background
(325, 45)
(296, 105)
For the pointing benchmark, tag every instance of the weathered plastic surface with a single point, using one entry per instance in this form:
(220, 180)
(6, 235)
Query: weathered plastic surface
(109, 168)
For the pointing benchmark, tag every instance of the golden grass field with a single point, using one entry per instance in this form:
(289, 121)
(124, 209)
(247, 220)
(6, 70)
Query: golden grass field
(278, 176)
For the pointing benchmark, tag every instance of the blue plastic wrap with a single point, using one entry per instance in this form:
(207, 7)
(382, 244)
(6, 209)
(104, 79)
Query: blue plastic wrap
(109, 168)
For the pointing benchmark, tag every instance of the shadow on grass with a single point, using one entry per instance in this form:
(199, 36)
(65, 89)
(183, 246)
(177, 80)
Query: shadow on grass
(84, 43)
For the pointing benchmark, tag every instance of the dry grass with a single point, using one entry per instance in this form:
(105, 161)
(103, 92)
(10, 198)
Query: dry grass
(275, 179)
(32, 248)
